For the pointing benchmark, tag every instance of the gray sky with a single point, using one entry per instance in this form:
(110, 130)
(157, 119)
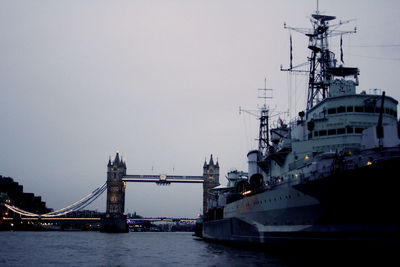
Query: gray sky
(162, 82)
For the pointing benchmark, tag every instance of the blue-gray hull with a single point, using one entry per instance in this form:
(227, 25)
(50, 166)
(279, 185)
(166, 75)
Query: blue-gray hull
(349, 205)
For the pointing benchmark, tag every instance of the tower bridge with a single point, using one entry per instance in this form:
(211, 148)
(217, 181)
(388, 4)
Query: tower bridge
(115, 219)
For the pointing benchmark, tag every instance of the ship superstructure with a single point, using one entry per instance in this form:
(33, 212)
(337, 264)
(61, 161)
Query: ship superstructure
(330, 172)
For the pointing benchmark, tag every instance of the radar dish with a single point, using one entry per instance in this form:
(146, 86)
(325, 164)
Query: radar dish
(343, 71)
(323, 17)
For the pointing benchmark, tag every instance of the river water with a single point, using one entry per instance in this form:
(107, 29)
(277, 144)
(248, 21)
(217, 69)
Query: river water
(142, 249)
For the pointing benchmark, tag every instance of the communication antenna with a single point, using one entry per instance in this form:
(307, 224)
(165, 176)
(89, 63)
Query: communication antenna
(263, 137)
(262, 114)
(321, 59)
(263, 92)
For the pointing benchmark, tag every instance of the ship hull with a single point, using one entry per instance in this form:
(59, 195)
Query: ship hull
(360, 204)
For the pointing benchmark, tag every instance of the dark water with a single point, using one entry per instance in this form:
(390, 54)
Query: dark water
(132, 249)
(148, 249)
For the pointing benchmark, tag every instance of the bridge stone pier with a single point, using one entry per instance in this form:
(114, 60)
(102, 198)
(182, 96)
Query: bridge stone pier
(115, 220)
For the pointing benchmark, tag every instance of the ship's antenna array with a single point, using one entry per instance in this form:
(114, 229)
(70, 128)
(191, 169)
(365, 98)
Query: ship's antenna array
(321, 58)
(263, 115)
(263, 93)
(263, 136)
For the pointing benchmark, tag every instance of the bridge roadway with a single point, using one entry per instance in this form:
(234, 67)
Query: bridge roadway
(52, 219)
(163, 178)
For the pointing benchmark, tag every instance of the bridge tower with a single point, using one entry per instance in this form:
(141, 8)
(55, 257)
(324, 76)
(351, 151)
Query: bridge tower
(115, 218)
(211, 180)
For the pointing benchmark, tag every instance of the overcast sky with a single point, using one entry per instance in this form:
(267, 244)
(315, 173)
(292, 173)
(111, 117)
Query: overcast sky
(162, 82)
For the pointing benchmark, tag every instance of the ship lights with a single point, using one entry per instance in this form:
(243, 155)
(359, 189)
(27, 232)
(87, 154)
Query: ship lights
(306, 157)
(296, 175)
(246, 192)
(369, 163)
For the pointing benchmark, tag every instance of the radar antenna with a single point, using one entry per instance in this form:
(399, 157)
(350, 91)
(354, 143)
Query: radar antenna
(321, 57)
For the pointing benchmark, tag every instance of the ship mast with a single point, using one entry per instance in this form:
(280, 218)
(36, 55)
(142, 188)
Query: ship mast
(263, 137)
(321, 58)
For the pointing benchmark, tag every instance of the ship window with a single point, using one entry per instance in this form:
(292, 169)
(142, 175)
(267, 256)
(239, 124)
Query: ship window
(359, 109)
(350, 130)
(331, 110)
(377, 110)
(369, 109)
(359, 130)
(315, 133)
(322, 133)
(310, 135)
(350, 109)
(395, 113)
(389, 111)
(332, 132)
(341, 109)
(341, 131)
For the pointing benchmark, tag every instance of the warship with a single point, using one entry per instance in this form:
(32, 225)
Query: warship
(328, 174)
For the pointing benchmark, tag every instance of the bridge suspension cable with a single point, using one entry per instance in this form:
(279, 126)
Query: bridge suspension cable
(78, 205)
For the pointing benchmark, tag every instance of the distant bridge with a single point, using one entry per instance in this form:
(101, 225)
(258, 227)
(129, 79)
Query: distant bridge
(115, 219)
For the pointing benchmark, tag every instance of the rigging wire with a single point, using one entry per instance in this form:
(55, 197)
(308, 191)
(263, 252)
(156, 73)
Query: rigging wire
(379, 58)
(384, 45)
